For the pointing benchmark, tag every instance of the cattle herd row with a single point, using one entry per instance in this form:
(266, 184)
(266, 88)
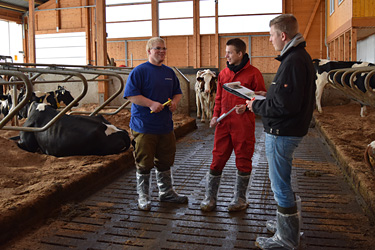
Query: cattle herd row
(69, 134)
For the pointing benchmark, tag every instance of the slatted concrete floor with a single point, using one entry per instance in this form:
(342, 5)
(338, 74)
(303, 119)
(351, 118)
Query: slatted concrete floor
(109, 219)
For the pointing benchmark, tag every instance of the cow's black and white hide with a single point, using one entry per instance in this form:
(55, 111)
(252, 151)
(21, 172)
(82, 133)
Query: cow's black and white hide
(5, 105)
(205, 92)
(71, 134)
(324, 66)
(55, 99)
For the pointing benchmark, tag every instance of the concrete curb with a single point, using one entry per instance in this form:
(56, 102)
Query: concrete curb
(359, 181)
(45, 206)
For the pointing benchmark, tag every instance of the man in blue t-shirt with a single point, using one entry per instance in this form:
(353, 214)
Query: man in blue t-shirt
(149, 87)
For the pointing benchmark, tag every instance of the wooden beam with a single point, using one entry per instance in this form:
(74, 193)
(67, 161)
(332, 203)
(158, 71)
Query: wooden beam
(155, 18)
(25, 40)
(306, 33)
(36, 1)
(196, 35)
(101, 38)
(347, 46)
(353, 40)
(13, 7)
(10, 15)
(87, 24)
(31, 33)
(217, 47)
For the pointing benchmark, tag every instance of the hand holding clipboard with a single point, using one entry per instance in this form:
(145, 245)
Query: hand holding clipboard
(237, 89)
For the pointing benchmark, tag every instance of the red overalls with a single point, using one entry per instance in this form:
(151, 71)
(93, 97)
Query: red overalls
(235, 132)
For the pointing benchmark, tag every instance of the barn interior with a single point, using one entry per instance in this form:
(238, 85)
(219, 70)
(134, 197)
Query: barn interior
(85, 46)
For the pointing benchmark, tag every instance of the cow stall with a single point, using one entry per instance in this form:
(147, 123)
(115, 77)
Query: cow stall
(356, 83)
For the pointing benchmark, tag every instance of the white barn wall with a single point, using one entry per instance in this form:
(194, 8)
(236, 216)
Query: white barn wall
(366, 49)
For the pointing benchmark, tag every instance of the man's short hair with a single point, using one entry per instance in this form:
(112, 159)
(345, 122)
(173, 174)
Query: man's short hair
(238, 45)
(152, 41)
(286, 23)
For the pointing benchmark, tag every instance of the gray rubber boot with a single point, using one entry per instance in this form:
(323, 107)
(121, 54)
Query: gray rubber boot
(271, 225)
(166, 191)
(239, 201)
(143, 190)
(212, 187)
(287, 234)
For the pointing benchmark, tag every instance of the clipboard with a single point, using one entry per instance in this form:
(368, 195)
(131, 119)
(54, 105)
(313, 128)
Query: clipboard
(237, 89)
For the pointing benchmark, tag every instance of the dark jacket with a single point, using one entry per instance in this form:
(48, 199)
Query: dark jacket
(290, 100)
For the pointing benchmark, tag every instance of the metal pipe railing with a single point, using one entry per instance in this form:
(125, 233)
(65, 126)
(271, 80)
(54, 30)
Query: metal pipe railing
(96, 71)
(63, 111)
(16, 106)
(347, 83)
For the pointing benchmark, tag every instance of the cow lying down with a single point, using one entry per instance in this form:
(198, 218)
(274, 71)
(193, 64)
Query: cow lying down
(370, 156)
(71, 134)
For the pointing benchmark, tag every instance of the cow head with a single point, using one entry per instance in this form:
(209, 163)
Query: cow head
(207, 81)
(64, 96)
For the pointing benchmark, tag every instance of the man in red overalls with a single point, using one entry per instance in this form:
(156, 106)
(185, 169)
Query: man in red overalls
(237, 130)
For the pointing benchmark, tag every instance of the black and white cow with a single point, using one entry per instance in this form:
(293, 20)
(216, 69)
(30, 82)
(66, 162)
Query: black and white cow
(205, 92)
(324, 66)
(53, 98)
(71, 134)
(5, 103)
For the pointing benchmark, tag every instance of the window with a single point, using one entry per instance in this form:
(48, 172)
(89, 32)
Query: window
(11, 41)
(331, 6)
(251, 16)
(131, 18)
(207, 17)
(128, 18)
(176, 18)
(340, 1)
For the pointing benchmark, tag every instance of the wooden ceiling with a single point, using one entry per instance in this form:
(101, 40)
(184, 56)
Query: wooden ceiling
(21, 6)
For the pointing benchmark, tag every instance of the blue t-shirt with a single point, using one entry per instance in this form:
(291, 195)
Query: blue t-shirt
(157, 83)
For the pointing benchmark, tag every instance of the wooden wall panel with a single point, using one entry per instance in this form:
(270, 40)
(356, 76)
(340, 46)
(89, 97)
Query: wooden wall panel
(208, 53)
(265, 65)
(45, 20)
(178, 50)
(117, 50)
(191, 57)
(363, 8)
(305, 16)
(137, 50)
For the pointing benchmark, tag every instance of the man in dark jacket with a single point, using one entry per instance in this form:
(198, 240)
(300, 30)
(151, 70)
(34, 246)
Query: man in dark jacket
(286, 114)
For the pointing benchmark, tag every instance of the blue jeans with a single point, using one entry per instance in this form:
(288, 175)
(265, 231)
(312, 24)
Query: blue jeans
(279, 152)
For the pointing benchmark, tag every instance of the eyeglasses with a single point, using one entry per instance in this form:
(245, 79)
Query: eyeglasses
(160, 48)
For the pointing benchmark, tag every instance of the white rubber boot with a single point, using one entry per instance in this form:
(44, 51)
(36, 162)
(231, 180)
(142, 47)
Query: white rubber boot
(166, 191)
(212, 187)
